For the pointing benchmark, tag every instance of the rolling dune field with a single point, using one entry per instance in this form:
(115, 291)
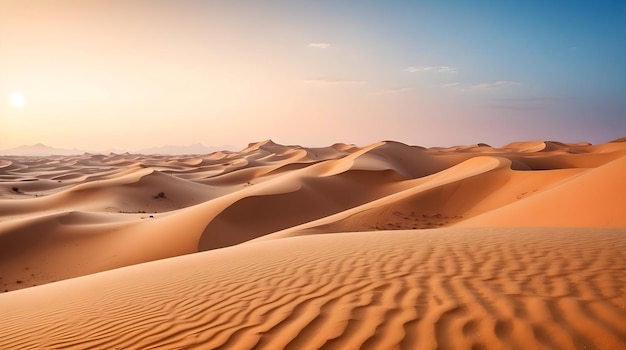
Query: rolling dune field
(386, 246)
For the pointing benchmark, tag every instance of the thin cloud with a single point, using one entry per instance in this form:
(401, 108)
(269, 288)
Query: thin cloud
(319, 45)
(532, 100)
(456, 83)
(515, 107)
(482, 86)
(523, 104)
(332, 81)
(390, 91)
(438, 69)
(497, 84)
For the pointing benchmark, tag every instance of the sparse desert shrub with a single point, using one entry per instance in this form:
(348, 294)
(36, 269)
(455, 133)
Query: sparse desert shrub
(160, 195)
(15, 189)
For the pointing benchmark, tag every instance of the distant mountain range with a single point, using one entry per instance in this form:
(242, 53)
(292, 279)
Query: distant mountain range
(39, 150)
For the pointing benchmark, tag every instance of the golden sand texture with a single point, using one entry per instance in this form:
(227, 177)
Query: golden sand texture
(448, 288)
(341, 247)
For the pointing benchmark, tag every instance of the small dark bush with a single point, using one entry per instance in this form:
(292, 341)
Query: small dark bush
(160, 195)
(15, 189)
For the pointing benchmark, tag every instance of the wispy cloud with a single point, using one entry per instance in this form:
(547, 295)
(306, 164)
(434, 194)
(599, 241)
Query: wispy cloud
(522, 104)
(497, 84)
(390, 91)
(544, 100)
(333, 81)
(482, 86)
(453, 84)
(319, 45)
(438, 69)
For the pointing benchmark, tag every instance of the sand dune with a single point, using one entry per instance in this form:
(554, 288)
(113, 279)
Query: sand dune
(461, 288)
(592, 198)
(382, 246)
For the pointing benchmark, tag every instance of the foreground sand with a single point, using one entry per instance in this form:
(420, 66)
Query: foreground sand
(446, 288)
(382, 246)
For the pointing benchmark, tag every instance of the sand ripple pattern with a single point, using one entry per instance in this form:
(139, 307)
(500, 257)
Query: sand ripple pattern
(449, 289)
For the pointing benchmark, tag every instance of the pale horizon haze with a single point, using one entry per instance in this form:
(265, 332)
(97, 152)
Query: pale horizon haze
(97, 75)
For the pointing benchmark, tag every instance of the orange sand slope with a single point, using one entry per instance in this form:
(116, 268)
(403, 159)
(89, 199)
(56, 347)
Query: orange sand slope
(447, 288)
(497, 279)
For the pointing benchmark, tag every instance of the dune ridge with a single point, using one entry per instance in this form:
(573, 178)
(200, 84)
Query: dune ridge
(382, 246)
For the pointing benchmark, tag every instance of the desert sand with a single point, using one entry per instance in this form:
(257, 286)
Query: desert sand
(342, 247)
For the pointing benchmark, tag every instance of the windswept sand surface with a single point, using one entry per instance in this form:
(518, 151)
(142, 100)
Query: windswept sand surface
(344, 247)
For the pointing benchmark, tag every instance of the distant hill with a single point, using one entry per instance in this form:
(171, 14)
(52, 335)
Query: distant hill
(39, 150)
(196, 148)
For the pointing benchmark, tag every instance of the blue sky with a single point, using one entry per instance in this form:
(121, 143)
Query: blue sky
(311, 72)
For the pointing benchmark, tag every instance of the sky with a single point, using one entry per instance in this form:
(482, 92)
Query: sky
(101, 75)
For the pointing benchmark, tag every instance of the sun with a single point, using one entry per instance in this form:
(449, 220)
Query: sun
(17, 99)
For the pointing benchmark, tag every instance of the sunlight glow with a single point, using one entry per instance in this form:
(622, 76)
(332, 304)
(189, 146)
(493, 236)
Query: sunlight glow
(17, 100)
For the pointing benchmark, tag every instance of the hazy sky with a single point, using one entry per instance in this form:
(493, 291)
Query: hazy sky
(130, 74)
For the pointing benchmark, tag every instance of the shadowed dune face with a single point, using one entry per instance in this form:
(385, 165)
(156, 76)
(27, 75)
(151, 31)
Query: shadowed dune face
(316, 197)
(343, 247)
